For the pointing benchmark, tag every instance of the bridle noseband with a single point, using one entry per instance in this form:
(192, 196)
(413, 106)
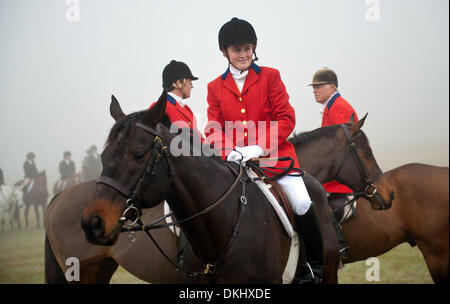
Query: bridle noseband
(368, 181)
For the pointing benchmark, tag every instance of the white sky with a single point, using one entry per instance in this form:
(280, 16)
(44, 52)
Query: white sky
(56, 76)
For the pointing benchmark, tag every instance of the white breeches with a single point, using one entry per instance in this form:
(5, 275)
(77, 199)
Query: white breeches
(294, 187)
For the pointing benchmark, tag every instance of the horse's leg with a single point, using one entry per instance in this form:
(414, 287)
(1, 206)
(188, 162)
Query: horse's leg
(44, 207)
(53, 271)
(17, 217)
(437, 261)
(36, 210)
(27, 208)
(330, 241)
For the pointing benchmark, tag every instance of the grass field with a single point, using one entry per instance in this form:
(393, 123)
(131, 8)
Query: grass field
(22, 261)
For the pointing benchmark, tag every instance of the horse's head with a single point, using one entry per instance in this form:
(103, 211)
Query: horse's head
(359, 169)
(134, 159)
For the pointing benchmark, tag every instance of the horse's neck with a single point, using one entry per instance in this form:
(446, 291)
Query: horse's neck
(196, 188)
(5, 193)
(319, 157)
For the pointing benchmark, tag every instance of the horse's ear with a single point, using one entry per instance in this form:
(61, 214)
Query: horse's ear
(156, 113)
(357, 126)
(115, 109)
(352, 120)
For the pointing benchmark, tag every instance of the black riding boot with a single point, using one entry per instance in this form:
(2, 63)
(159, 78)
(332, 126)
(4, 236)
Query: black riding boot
(308, 227)
(343, 252)
(337, 203)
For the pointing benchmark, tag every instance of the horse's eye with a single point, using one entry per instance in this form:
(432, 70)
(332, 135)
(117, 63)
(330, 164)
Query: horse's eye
(139, 155)
(368, 153)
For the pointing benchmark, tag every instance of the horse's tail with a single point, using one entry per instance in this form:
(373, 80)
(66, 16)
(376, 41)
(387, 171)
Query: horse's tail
(53, 272)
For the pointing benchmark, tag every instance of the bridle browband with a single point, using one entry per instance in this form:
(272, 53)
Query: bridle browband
(367, 182)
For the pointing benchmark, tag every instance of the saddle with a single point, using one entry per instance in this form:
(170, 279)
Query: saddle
(280, 196)
(340, 207)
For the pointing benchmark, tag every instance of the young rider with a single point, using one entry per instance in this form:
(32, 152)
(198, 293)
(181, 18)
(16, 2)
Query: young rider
(249, 98)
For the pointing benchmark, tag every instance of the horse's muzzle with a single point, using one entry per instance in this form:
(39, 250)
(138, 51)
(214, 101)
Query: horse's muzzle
(381, 203)
(94, 229)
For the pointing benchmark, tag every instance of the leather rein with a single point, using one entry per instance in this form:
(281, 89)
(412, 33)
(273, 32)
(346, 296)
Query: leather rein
(370, 189)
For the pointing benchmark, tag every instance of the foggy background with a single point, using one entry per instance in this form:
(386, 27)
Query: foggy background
(57, 73)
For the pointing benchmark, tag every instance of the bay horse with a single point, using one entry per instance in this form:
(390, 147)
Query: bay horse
(355, 130)
(36, 196)
(419, 216)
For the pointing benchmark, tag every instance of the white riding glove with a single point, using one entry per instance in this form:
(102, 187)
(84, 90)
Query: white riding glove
(234, 156)
(250, 152)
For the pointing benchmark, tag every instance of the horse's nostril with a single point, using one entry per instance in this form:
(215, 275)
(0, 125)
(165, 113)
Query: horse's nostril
(392, 196)
(97, 226)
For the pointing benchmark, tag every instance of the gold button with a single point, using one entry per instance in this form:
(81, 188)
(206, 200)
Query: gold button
(242, 110)
(245, 134)
(244, 122)
(189, 123)
(240, 98)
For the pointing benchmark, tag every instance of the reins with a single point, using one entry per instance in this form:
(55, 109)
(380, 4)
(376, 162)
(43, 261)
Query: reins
(160, 151)
(368, 180)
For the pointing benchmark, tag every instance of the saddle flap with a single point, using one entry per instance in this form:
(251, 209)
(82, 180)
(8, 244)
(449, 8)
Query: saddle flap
(282, 199)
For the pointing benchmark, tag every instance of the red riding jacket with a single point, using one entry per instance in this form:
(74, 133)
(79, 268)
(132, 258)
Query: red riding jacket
(177, 114)
(245, 117)
(337, 111)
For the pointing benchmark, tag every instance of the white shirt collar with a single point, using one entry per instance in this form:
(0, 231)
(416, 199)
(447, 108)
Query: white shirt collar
(326, 103)
(180, 100)
(237, 74)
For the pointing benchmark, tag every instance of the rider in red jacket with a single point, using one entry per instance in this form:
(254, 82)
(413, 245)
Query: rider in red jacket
(177, 81)
(336, 111)
(249, 111)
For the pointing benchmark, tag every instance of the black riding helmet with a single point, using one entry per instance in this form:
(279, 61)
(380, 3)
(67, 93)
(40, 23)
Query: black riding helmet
(174, 71)
(236, 32)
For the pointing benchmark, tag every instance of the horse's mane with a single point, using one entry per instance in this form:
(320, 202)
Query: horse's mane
(305, 137)
(195, 141)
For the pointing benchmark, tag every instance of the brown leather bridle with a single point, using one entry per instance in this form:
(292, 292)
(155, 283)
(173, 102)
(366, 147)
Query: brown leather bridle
(367, 181)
